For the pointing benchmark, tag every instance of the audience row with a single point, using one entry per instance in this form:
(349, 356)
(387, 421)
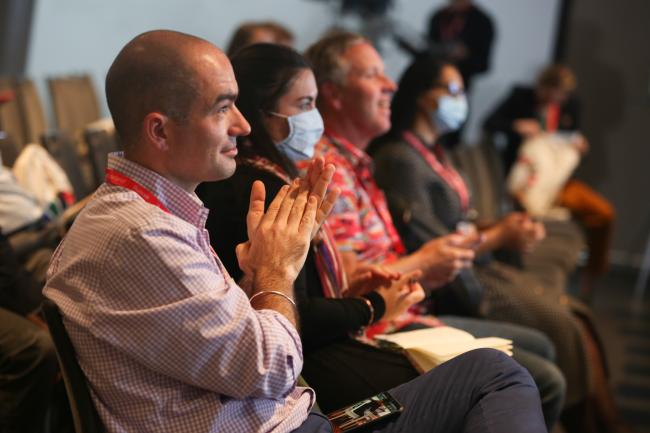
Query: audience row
(197, 311)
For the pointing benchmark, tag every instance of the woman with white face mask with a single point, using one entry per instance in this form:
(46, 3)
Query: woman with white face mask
(429, 198)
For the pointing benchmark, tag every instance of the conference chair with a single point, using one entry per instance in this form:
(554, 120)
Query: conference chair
(74, 102)
(84, 414)
(101, 140)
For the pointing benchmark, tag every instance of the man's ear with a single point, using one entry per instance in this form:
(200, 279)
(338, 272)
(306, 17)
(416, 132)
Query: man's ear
(331, 95)
(155, 130)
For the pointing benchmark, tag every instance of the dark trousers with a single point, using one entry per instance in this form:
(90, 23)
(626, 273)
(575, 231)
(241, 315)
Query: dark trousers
(27, 370)
(533, 350)
(480, 391)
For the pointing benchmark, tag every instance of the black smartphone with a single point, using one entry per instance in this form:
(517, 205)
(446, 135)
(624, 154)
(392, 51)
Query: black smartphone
(371, 410)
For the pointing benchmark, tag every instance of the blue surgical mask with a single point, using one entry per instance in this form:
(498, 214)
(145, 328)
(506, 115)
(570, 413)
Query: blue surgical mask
(305, 129)
(451, 113)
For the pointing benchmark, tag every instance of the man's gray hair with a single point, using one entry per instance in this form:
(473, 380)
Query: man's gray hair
(326, 55)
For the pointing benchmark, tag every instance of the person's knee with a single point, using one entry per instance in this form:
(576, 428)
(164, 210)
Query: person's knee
(531, 340)
(544, 345)
(492, 365)
(555, 383)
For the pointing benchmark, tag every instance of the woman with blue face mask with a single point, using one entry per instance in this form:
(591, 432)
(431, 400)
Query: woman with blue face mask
(428, 198)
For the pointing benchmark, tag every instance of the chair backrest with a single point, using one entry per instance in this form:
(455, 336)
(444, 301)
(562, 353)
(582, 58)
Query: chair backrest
(74, 101)
(32, 111)
(101, 140)
(9, 150)
(84, 414)
(64, 150)
(482, 166)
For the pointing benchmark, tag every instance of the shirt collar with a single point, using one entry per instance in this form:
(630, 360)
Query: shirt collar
(179, 202)
(357, 157)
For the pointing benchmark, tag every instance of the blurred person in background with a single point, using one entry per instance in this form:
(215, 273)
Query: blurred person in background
(253, 32)
(552, 108)
(464, 33)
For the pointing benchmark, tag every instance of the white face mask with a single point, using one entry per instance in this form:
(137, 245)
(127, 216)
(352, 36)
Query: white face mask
(451, 113)
(305, 129)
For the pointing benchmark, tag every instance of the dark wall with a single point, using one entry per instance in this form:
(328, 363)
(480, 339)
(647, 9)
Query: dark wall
(607, 45)
(15, 23)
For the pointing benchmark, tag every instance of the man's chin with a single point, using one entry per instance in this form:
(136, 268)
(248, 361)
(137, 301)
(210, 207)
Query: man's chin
(381, 127)
(226, 169)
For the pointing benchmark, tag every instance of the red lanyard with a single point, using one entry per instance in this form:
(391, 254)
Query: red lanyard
(552, 120)
(116, 178)
(445, 171)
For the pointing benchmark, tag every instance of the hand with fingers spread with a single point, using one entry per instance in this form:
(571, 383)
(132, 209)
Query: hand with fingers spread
(278, 239)
(318, 178)
(443, 258)
(401, 294)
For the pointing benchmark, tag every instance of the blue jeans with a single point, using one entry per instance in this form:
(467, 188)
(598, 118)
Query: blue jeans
(480, 391)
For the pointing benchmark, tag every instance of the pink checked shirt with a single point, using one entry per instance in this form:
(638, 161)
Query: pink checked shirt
(168, 342)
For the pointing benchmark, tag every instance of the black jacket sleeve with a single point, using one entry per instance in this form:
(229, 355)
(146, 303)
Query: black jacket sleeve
(509, 110)
(570, 116)
(520, 104)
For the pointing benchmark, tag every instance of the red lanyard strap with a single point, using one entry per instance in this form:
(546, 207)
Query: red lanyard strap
(116, 178)
(552, 120)
(445, 171)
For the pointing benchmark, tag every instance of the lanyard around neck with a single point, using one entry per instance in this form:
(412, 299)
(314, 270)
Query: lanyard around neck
(116, 178)
(448, 174)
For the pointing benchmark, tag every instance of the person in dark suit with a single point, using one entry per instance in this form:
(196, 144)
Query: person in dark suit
(463, 33)
(529, 111)
(256, 32)
(551, 107)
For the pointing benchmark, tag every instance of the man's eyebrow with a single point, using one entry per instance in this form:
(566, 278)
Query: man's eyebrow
(224, 97)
